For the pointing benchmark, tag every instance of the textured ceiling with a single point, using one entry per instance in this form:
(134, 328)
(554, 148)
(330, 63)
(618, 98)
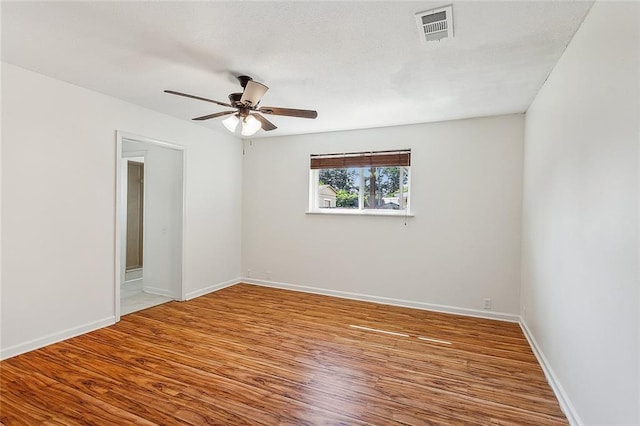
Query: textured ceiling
(359, 64)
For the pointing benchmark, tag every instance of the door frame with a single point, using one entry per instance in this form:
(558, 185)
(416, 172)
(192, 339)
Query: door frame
(120, 222)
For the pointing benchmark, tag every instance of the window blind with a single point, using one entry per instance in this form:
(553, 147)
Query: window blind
(361, 159)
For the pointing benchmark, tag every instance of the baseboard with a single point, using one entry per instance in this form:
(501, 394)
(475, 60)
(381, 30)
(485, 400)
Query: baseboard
(160, 292)
(135, 285)
(389, 301)
(561, 395)
(211, 288)
(55, 338)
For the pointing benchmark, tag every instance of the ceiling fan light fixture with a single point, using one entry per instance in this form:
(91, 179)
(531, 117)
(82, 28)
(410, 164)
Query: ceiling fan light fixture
(250, 126)
(231, 123)
(253, 92)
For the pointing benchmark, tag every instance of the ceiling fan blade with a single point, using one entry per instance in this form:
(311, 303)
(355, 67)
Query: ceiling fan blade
(266, 124)
(253, 92)
(290, 112)
(173, 92)
(217, 114)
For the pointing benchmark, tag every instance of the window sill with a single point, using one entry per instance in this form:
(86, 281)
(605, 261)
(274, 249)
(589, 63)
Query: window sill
(346, 212)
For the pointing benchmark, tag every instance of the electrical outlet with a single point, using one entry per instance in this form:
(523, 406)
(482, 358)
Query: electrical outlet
(248, 273)
(269, 275)
(486, 303)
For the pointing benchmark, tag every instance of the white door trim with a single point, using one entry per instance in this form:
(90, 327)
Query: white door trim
(120, 225)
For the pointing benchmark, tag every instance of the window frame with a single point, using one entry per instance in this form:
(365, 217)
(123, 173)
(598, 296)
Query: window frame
(314, 208)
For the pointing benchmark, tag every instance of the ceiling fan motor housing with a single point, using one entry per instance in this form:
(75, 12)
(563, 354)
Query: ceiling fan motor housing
(244, 79)
(234, 98)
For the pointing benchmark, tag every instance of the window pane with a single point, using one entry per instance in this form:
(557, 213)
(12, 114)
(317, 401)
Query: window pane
(382, 188)
(338, 188)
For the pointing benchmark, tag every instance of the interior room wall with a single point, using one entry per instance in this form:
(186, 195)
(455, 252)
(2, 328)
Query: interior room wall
(463, 244)
(580, 227)
(58, 209)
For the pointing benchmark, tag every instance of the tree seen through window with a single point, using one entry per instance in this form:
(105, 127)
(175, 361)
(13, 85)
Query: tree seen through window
(381, 189)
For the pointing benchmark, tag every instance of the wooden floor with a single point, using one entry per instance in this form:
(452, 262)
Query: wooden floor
(254, 355)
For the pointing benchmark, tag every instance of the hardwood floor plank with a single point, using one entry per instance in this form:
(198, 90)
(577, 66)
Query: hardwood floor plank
(197, 384)
(18, 411)
(247, 373)
(69, 404)
(117, 393)
(211, 404)
(256, 355)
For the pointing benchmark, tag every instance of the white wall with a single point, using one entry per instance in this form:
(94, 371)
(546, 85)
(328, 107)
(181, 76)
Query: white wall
(462, 245)
(58, 207)
(580, 227)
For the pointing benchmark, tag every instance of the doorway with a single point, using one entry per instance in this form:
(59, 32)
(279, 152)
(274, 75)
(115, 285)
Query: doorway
(149, 224)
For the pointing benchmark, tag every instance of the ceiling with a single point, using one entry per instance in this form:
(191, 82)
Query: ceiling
(360, 64)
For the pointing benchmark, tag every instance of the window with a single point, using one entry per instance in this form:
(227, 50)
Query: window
(360, 182)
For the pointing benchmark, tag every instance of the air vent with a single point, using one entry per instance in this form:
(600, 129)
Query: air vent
(435, 24)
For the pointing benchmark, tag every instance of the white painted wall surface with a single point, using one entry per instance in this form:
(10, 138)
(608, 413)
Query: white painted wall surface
(462, 245)
(58, 207)
(580, 227)
(163, 221)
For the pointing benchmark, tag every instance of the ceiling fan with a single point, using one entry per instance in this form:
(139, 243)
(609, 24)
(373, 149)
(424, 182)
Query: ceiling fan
(246, 107)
